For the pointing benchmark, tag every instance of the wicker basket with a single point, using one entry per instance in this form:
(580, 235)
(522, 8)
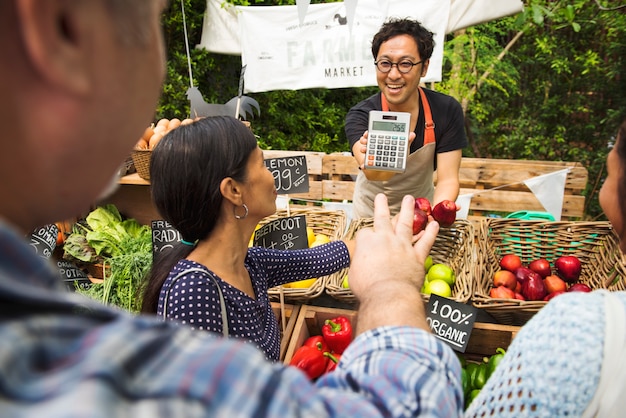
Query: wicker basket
(453, 246)
(330, 223)
(595, 243)
(141, 160)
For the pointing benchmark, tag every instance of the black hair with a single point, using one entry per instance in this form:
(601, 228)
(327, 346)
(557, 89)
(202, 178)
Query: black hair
(186, 169)
(396, 27)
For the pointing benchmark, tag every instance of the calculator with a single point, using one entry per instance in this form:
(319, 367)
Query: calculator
(387, 141)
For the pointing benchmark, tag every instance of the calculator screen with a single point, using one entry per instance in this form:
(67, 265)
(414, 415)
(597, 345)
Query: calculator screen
(388, 126)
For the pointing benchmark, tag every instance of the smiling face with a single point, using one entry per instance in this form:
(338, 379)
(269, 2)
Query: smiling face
(400, 89)
(259, 188)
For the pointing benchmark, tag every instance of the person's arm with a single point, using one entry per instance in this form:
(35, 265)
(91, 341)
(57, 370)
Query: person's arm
(388, 271)
(448, 165)
(358, 150)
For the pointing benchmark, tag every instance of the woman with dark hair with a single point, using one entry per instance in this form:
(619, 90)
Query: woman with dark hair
(209, 181)
(569, 359)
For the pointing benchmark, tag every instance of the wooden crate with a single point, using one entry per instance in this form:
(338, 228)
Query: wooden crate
(290, 315)
(484, 339)
(310, 321)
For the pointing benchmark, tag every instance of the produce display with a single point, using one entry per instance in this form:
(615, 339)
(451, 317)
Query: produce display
(320, 354)
(474, 375)
(122, 245)
(439, 280)
(537, 280)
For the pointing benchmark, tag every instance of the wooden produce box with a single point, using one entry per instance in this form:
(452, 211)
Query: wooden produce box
(286, 325)
(484, 339)
(310, 321)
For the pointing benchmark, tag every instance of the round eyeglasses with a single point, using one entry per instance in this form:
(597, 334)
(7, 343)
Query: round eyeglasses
(384, 66)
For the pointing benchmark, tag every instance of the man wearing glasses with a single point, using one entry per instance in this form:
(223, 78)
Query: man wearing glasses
(402, 49)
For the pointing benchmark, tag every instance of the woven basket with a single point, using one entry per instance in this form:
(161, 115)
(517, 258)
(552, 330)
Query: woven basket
(141, 160)
(330, 223)
(453, 246)
(595, 243)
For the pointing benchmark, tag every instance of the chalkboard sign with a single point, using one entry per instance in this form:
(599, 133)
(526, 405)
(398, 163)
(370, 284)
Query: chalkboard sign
(290, 174)
(72, 276)
(287, 233)
(451, 321)
(164, 237)
(44, 240)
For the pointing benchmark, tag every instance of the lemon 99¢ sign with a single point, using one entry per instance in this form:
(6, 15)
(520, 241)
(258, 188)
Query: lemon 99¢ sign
(290, 174)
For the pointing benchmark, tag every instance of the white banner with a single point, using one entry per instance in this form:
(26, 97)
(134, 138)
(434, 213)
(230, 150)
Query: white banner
(282, 54)
(465, 13)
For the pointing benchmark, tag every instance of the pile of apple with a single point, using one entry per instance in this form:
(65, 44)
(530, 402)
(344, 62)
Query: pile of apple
(537, 280)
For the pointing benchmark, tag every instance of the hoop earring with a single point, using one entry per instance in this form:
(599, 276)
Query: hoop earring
(244, 215)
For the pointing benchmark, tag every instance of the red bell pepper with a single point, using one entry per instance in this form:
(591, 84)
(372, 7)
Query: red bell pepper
(338, 333)
(311, 360)
(317, 341)
(332, 363)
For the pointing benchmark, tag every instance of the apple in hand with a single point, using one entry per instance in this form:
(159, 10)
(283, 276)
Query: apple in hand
(420, 219)
(423, 204)
(554, 283)
(444, 212)
(533, 288)
(501, 292)
(541, 266)
(510, 262)
(504, 278)
(568, 268)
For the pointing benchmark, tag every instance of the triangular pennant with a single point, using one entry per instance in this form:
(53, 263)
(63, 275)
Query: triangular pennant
(303, 5)
(549, 190)
(463, 201)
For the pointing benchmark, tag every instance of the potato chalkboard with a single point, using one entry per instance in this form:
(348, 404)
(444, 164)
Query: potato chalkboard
(451, 321)
(290, 174)
(288, 233)
(72, 276)
(164, 237)
(44, 240)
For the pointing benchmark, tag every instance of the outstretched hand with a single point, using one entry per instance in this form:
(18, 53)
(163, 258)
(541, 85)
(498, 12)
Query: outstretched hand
(388, 268)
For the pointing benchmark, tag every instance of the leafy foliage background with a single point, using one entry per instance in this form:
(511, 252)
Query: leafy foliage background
(546, 84)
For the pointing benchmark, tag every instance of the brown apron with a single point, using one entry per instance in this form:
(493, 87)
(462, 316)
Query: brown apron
(417, 180)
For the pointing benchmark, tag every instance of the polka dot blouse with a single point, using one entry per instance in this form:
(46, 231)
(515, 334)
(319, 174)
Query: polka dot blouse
(194, 300)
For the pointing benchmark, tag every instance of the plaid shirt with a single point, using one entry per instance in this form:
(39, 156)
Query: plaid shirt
(62, 355)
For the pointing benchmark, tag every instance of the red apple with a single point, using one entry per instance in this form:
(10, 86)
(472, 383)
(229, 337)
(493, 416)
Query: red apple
(420, 219)
(504, 278)
(579, 287)
(541, 266)
(519, 296)
(518, 286)
(423, 204)
(554, 284)
(501, 292)
(553, 294)
(510, 262)
(444, 212)
(523, 273)
(533, 288)
(568, 268)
